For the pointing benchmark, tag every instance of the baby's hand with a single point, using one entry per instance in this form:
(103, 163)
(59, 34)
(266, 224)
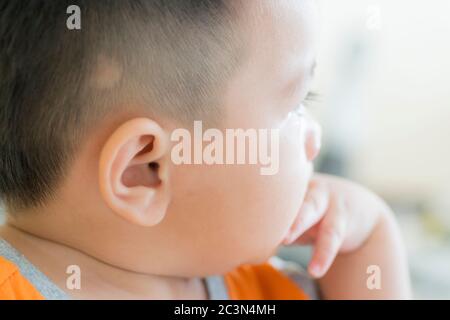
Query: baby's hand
(337, 216)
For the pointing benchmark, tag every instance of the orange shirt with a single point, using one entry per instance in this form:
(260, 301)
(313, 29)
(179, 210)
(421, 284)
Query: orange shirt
(262, 282)
(275, 279)
(14, 286)
(256, 282)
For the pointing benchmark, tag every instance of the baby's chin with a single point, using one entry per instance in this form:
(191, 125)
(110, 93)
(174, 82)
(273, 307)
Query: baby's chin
(263, 257)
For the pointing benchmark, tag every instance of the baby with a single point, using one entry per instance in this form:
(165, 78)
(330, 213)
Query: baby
(87, 172)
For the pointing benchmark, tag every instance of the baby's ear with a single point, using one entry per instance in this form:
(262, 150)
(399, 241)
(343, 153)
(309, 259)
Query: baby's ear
(133, 172)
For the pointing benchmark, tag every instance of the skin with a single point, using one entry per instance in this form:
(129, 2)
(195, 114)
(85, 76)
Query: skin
(139, 232)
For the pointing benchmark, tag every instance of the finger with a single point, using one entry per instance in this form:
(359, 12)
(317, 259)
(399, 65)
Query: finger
(309, 237)
(329, 240)
(312, 211)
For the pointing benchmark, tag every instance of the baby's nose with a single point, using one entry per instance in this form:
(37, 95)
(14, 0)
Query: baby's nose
(313, 137)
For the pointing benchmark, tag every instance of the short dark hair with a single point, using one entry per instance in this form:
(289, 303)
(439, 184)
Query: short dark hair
(172, 55)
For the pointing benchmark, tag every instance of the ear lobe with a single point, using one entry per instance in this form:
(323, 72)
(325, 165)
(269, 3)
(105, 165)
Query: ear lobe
(133, 172)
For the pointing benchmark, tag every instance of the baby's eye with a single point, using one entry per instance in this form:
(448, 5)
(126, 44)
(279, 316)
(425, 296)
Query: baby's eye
(311, 97)
(300, 110)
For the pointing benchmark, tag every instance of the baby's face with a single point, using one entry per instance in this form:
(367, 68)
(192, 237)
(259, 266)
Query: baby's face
(233, 214)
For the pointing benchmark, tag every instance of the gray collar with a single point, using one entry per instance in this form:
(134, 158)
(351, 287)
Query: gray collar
(43, 284)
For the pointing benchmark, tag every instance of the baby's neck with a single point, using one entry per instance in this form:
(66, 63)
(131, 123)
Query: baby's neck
(98, 280)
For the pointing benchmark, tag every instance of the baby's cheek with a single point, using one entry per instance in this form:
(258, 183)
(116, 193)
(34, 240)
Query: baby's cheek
(295, 169)
(283, 192)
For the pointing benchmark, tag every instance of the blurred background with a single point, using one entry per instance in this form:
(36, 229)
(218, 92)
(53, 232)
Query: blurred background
(383, 81)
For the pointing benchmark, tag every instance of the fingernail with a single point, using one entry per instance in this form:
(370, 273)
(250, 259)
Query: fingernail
(288, 240)
(315, 270)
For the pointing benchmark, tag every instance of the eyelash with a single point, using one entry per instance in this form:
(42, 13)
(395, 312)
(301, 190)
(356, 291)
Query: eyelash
(311, 97)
